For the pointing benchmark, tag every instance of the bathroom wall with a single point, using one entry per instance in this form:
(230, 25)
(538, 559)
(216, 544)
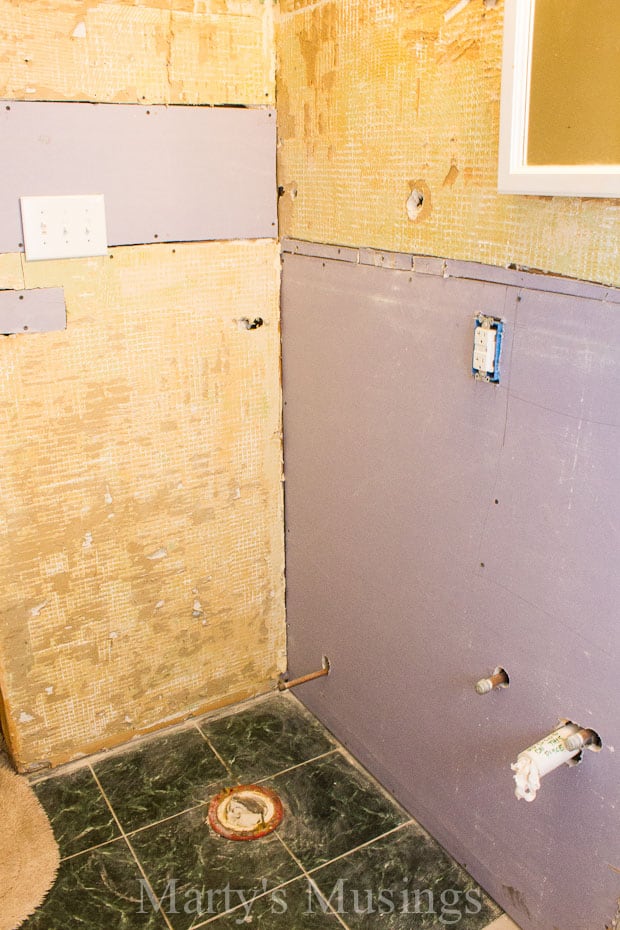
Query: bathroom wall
(437, 527)
(141, 517)
(377, 97)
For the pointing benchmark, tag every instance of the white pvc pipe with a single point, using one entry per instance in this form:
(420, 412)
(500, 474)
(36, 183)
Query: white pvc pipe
(543, 757)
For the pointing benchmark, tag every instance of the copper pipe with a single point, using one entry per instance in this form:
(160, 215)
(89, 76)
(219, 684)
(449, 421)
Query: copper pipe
(499, 679)
(285, 685)
(583, 737)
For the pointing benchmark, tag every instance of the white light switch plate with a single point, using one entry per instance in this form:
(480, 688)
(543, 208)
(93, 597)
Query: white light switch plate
(64, 227)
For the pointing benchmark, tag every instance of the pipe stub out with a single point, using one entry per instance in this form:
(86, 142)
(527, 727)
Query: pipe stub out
(499, 679)
(284, 685)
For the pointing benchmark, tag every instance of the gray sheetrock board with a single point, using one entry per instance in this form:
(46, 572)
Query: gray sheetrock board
(450, 268)
(40, 310)
(406, 573)
(168, 174)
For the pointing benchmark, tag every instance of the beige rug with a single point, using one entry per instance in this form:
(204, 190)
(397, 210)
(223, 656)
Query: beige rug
(28, 851)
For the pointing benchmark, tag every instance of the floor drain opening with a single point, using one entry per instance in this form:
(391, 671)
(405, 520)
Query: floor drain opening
(245, 812)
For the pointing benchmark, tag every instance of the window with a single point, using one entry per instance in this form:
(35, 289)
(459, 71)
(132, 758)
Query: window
(560, 103)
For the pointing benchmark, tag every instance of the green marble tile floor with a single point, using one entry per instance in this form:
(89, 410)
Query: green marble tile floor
(138, 855)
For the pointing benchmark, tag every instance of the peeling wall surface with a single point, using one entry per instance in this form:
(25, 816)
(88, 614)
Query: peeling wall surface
(377, 98)
(438, 527)
(141, 517)
(162, 51)
(140, 450)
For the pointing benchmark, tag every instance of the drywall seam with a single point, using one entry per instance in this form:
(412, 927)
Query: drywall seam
(378, 98)
(448, 268)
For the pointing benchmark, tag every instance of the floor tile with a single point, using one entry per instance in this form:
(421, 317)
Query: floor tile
(330, 807)
(78, 813)
(337, 822)
(209, 874)
(268, 737)
(159, 778)
(97, 890)
(294, 907)
(402, 881)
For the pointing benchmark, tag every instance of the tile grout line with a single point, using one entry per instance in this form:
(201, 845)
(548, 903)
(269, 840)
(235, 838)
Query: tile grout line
(131, 849)
(299, 765)
(312, 882)
(214, 750)
(265, 894)
(238, 907)
(276, 774)
(157, 823)
(375, 839)
(90, 849)
(186, 810)
(126, 834)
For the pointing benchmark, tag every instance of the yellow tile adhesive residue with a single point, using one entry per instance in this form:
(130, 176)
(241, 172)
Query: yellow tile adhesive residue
(217, 51)
(141, 508)
(377, 98)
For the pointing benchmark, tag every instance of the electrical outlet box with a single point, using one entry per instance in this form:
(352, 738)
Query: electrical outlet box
(64, 227)
(488, 332)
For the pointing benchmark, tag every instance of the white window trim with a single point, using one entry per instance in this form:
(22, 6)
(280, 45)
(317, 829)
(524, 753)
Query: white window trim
(515, 176)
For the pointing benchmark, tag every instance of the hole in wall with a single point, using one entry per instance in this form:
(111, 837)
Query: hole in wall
(245, 323)
(584, 738)
(415, 203)
(419, 201)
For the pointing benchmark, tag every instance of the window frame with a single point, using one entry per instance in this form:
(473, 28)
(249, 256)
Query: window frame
(515, 176)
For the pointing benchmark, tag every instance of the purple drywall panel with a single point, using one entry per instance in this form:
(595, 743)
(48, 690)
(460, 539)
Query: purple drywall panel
(168, 174)
(41, 310)
(449, 268)
(438, 527)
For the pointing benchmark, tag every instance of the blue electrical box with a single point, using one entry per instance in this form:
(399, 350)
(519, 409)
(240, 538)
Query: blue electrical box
(488, 332)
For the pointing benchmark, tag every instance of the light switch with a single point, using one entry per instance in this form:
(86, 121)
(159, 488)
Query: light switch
(64, 227)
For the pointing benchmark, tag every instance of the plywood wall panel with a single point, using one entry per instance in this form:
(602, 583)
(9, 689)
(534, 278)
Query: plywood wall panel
(376, 97)
(141, 518)
(157, 52)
